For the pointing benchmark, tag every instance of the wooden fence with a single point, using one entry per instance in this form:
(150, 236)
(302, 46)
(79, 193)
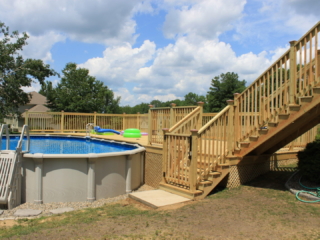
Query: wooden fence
(76, 122)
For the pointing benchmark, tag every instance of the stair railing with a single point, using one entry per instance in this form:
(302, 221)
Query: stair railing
(178, 168)
(269, 97)
(4, 127)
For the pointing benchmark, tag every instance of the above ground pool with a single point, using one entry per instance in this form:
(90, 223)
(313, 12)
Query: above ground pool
(74, 169)
(67, 145)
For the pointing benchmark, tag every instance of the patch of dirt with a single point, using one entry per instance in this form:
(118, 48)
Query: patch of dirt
(263, 209)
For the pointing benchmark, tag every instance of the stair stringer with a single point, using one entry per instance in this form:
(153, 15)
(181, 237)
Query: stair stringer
(224, 170)
(297, 123)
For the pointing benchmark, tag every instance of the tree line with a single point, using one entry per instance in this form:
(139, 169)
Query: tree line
(77, 91)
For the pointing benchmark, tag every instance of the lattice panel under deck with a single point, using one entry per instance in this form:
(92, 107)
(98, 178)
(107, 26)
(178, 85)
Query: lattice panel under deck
(153, 169)
(241, 174)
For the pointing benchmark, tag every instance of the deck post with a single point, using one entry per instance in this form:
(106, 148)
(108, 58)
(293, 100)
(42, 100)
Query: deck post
(293, 70)
(200, 124)
(164, 154)
(95, 118)
(172, 114)
(230, 128)
(138, 120)
(194, 159)
(150, 125)
(124, 121)
(62, 121)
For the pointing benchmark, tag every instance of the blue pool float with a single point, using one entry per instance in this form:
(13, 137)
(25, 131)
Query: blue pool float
(101, 130)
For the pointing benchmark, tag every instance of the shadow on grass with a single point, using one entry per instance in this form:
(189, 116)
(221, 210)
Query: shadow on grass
(271, 180)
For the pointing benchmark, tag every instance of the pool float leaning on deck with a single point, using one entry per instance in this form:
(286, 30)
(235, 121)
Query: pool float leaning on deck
(101, 130)
(132, 133)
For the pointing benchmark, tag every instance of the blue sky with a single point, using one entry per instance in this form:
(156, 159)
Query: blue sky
(159, 49)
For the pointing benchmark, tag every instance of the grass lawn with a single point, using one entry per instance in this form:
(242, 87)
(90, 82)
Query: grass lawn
(263, 209)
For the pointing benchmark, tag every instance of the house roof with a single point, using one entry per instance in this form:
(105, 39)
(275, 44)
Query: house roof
(37, 108)
(37, 98)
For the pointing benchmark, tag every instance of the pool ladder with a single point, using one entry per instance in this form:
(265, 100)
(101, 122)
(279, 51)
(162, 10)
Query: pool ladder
(89, 126)
(10, 168)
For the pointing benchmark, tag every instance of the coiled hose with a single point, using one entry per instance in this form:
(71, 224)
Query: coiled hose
(311, 193)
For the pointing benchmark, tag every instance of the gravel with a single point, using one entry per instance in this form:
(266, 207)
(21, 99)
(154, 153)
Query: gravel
(46, 208)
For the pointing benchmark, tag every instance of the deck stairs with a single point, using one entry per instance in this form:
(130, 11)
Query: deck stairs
(281, 105)
(10, 169)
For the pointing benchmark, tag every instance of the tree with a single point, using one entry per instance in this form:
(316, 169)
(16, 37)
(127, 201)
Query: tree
(15, 72)
(80, 92)
(222, 89)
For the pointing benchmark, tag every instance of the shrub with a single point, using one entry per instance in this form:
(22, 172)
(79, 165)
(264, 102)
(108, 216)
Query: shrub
(309, 161)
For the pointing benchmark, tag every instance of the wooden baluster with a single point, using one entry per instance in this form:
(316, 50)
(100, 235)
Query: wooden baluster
(200, 104)
(293, 70)
(165, 155)
(230, 128)
(194, 159)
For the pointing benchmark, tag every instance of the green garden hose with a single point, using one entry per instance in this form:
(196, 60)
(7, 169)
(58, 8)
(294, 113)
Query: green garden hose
(311, 193)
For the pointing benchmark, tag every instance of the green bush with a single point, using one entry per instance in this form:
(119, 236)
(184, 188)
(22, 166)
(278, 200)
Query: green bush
(309, 161)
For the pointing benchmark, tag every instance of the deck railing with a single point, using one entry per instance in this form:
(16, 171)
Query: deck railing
(76, 122)
(160, 118)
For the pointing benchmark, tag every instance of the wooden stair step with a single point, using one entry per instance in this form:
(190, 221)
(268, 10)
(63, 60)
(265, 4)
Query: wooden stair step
(283, 116)
(204, 184)
(294, 107)
(306, 99)
(253, 138)
(272, 124)
(316, 90)
(244, 144)
(263, 131)
(213, 175)
(180, 191)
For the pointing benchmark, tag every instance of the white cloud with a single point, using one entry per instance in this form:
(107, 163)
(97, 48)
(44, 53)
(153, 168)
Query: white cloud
(105, 21)
(39, 46)
(205, 18)
(120, 64)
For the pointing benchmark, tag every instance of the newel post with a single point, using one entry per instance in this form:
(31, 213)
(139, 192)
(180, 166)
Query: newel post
(172, 114)
(293, 70)
(124, 121)
(149, 125)
(62, 121)
(230, 128)
(95, 118)
(194, 159)
(200, 104)
(138, 120)
(165, 154)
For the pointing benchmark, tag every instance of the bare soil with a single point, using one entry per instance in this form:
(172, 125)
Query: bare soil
(263, 209)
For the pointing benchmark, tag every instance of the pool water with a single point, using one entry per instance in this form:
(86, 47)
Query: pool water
(66, 145)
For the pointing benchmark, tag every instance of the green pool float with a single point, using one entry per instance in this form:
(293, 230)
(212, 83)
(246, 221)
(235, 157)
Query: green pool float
(132, 133)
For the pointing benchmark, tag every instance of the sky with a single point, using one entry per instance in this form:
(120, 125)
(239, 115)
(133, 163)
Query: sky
(159, 49)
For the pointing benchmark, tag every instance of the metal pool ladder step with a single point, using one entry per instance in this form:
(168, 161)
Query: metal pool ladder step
(10, 166)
